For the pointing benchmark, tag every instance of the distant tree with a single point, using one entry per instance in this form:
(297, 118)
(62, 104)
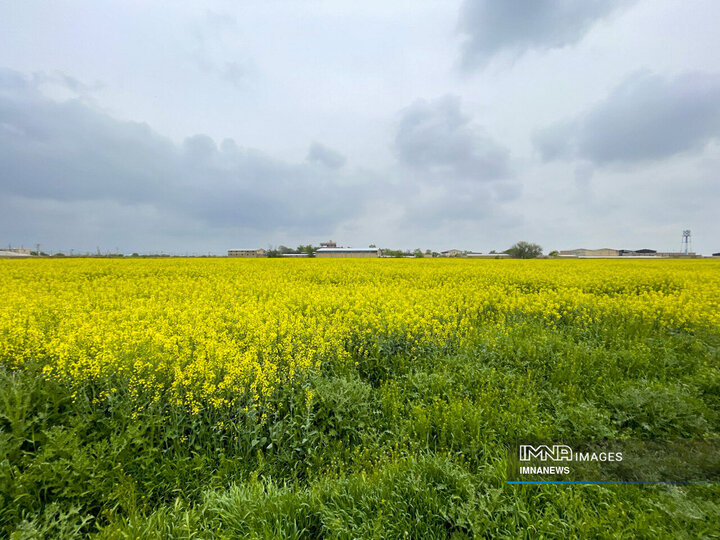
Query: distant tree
(272, 252)
(553, 254)
(135, 255)
(524, 250)
(493, 251)
(284, 250)
(392, 252)
(372, 246)
(418, 254)
(309, 250)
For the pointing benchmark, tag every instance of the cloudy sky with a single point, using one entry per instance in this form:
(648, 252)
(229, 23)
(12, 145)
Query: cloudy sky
(194, 127)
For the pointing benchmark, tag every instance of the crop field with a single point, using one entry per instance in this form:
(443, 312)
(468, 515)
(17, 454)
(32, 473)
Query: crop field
(182, 398)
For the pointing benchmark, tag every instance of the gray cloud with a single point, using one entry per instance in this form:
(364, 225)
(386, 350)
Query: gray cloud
(460, 175)
(70, 152)
(121, 182)
(436, 137)
(492, 26)
(325, 156)
(646, 118)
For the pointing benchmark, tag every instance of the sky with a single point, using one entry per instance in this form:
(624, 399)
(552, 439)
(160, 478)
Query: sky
(197, 127)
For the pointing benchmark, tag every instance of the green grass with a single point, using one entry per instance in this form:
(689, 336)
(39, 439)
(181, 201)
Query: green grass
(392, 446)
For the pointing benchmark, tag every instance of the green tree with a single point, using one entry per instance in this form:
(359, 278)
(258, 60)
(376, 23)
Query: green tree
(392, 252)
(524, 250)
(309, 250)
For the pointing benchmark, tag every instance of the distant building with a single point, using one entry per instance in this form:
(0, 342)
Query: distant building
(647, 253)
(582, 252)
(716, 254)
(13, 254)
(606, 253)
(451, 253)
(328, 244)
(677, 255)
(21, 251)
(248, 253)
(472, 255)
(336, 252)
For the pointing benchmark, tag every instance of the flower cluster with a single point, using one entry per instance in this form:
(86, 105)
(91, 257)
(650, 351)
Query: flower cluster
(227, 332)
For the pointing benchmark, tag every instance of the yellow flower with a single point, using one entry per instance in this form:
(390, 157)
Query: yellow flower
(221, 333)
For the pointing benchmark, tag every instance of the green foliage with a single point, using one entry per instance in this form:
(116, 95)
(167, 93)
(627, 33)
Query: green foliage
(308, 249)
(524, 250)
(397, 253)
(279, 251)
(393, 444)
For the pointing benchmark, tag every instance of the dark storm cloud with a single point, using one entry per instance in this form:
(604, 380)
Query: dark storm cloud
(71, 152)
(436, 137)
(493, 26)
(325, 156)
(646, 118)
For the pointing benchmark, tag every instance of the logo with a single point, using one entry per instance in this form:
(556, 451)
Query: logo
(543, 452)
(613, 461)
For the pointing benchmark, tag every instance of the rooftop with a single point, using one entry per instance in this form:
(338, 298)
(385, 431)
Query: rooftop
(346, 250)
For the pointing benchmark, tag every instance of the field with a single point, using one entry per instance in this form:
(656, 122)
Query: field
(370, 398)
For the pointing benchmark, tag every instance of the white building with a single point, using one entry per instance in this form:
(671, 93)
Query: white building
(472, 255)
(346, 252)
(6, 254)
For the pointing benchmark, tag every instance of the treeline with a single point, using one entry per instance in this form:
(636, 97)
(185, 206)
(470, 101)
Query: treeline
(407, 253)
(281, 251)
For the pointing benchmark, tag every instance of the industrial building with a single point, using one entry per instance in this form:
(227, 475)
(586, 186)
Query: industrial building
(248, 253)
(472, 255)
(451, 253)
(13, 254)
(658, 254)
(638, 253)
(346, 252)
(582, 252)
(685, 253)
(606, 253)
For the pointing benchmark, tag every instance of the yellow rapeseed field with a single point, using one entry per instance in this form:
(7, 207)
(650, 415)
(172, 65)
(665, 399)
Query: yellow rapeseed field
(224, 332)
